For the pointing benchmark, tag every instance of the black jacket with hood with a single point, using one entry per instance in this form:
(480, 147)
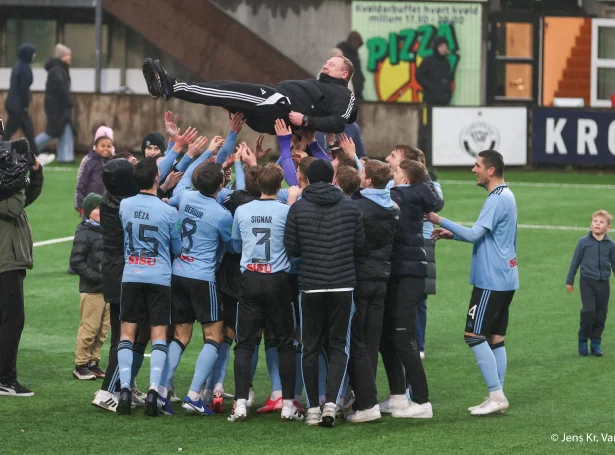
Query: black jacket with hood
(58, 99)
(327, 102)
(434, 74)
(18, 98)
(86, 257)
(325, 229)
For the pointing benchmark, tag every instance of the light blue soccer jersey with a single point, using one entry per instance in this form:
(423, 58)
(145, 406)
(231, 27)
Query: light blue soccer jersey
(494, 256)
(204, 226)
(150, 238)
(259, 227)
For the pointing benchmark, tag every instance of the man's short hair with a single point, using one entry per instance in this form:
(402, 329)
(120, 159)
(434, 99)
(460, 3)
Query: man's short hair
(145, 173)
(348, 179)
(207, 178)
(411, 153)
(603, 214)
(414, 171)
(493, 159)
(125, 155)
(270, 179)
(378, 172)
(252, 186)
(304, 164)
(349, 67)
(344, 160)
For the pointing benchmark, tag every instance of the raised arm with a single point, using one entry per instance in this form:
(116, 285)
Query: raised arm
(186, 182)
(237, 122)
(285, 135)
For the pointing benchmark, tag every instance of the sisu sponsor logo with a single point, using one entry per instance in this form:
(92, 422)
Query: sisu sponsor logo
(260, 268)
(138, 260)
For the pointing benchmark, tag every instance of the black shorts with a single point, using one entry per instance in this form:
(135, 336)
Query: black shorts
(144, 301)
(488, 312)
(228, 277)
(195, 300)
(229, 309)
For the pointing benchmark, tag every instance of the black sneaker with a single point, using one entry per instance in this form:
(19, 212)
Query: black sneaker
(15, 389)
(150, 78)
(125, 403)
(83, 373)
(97, 371)
(163, 81)
(151, 404)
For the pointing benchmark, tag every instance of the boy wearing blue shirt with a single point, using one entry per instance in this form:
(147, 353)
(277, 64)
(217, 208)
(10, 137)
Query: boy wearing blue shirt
(494, 274)
(150, 239)
(258, 232)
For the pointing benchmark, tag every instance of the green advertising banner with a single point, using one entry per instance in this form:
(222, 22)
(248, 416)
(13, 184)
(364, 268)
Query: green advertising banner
(398, 36)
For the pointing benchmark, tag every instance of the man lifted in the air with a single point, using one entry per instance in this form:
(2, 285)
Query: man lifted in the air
(324, 105)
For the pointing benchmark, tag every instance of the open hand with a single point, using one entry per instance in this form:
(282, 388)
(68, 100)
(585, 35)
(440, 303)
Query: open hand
(216, 143)
(171, 181)
(248, 155)
(237, 121)
(440, 233)
(181, 140)
(170, 125)
(347, 145)
(258, 148)
(197, 147)
(281, 129)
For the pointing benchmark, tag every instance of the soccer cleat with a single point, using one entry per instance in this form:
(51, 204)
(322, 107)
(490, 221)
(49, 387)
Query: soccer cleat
(583, 346)
(366, 415)
(298, 406)
(596, 350)
(150, 78)
(97, 371)
(15, 389)
(314, 416)
(196, 407)
(414, 411)
(471, 408)
(490, 406)
(163, 80)
(174, 398)
(270, 406)
(105, 400)
(151, 404)
(240, 413)
(124, 404)
(217, 404)
(327, 418)
(164, 404)
(291, 413)
(250, 397)
(82, 373)
(394, 402)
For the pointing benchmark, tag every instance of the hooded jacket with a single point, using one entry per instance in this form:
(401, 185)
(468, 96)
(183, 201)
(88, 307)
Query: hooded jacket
(58, 99)
(414, 201)
(325, 229)
(89, 177)
(327, 102)
(86, 257)
(434, 74)
(18, 98)
(380, 221)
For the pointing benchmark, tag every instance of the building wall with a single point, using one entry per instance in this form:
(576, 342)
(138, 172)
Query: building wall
(303, 30)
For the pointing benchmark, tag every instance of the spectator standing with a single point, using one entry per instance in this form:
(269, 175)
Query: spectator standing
(17, 103)
(58, 107)
(89, 176)
(434, 74)
(350, 50)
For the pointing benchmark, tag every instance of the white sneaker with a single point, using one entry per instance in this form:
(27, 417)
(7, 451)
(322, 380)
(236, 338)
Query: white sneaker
(250, 398)
(105, 400)
(489, 406)
(46, 158)
(414, 411)
(314, 416)
(173, 398)
(291, 413)
(240, 413)
(472, 408)
(394, 402)
(328, 415)
(367, 415)
(422, 355)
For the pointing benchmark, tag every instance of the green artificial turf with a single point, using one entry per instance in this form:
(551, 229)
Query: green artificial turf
(551, 389)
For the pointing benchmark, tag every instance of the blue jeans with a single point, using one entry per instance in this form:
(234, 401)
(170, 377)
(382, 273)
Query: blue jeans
(65, 151)
(421, 323)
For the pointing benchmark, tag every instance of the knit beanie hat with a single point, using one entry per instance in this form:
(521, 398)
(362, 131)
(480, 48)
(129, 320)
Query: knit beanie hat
(103, 131)
(90, 202)
(61, 51)
(153, 139)
(118, 178)
(320, 171)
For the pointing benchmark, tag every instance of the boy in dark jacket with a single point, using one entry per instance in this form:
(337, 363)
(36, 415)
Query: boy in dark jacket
(415, 197)
(595, 253)
(86, 260)
(18, 100)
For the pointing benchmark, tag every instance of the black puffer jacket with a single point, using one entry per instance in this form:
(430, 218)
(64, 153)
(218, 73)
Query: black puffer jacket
(380, 225)
(327, 102)
(434, 74)
(325, 229)
(414, 201)
(113, 247)
(86, 257)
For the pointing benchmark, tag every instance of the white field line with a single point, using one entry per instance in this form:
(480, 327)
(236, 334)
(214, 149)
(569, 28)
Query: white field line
(60, 169)
(52, 241)
(537, 184)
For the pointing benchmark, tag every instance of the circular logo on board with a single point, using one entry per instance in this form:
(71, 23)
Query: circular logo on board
(479, 136)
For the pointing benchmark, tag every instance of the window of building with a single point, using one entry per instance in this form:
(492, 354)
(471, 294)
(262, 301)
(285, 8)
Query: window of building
(41, 33)
(81, 38)
(602, 62)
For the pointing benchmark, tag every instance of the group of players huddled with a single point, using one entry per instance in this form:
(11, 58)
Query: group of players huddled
(328, 272)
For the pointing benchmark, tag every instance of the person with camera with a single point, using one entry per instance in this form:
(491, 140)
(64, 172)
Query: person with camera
(17, 192)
